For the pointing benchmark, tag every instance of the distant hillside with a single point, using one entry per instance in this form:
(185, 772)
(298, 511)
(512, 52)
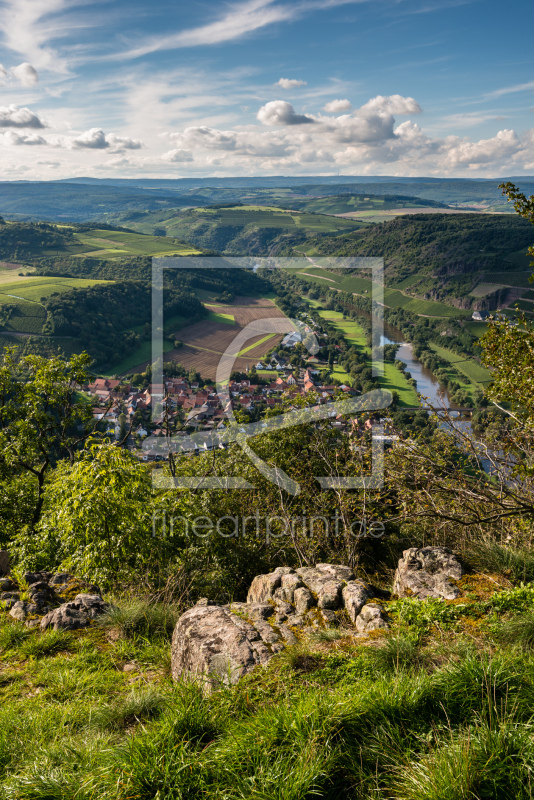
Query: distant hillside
(348, 203)
(88, 199)
(442, 257)
(239, 229)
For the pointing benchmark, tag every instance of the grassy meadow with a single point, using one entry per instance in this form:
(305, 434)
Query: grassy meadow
(392, 379)
(437, 708)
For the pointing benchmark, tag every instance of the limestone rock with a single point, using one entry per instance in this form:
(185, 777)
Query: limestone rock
(336, 571)
(355, 596)
(289, 584)
(10, 596)
(370, 618)
(329, 594)
(283, 608)
(263, 587)
(303, 600)
(427, 572)
(37, 577)
(78, 613)
(328, 616)
(213, 645)
(288, 634)
(22, 609)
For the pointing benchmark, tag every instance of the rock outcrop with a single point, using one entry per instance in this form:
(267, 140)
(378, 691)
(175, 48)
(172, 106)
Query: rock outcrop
(78, 613)
(59, 601)
(428, 572)
(214, 645)
(220, 644)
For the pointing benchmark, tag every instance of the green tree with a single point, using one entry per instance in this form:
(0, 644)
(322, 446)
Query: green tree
(509, 346)
(97, 517)
(41, 420)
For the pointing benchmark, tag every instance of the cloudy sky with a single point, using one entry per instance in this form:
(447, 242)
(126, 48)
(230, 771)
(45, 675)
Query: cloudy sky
(266, 87)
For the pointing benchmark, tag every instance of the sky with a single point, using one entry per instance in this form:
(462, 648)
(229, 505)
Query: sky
(177, 89)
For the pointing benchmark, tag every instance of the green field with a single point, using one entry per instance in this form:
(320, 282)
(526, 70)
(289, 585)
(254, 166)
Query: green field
(473, 371)
(26, 294)
(215, 316)
(510, 278)
(139, 356)
(476, 328)
(409, 281)
(483, 289)
(392, 297)
(98, 243)
(262, 217)
(392, 379)
(524, 305)
(252, 346)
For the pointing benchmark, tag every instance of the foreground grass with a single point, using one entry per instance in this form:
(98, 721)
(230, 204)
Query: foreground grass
(438, 709)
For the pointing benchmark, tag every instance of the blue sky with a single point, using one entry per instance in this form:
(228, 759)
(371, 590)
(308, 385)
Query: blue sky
(266, 87)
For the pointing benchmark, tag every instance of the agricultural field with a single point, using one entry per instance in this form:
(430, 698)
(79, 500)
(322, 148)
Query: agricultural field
(138, 360)
(392, 379)
(476, 328)
(516, 279)
(483, 289)
(25, 295)
(393, 298)
(118, 244)
(473, 371)
(524, 305)
(206, 341)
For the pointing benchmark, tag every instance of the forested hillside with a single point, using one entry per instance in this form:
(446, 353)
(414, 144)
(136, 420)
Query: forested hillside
(440, 256)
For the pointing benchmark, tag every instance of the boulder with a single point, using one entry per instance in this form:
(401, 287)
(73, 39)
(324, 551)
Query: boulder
(4, 562)
(79, 613)
(303, 600)
(263, 587)
(219, 644)
(355, 596)
(428, 572)
(214, 646)
(371, 618)
(37, 577)
(21, 610)
(336, 571)
(329, 594)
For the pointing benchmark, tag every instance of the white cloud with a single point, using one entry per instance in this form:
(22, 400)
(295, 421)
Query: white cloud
(177, 156)
(505, 144)
(518, 87)
(370, 140)
(28, 27)
(280, 112)
(336, 106)
(391, 104)
(25, 73)
(119, 143)
(93, 139)
(241, 19)
(96, 139)
(14, 117)
(290, 83)
(14, 138)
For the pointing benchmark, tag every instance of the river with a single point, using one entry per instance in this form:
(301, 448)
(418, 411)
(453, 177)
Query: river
(427, 385)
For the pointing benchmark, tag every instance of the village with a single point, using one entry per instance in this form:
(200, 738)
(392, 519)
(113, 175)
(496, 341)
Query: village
(131, 413)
